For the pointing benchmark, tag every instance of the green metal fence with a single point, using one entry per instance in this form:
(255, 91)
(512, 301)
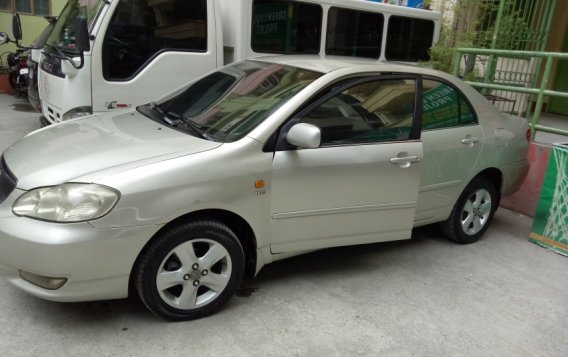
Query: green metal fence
(503, 80)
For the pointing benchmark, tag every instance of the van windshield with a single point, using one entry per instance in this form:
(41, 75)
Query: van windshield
(227, 104)
(63, 34)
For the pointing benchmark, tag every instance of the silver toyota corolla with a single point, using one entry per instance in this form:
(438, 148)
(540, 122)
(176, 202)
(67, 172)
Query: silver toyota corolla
(258, 161)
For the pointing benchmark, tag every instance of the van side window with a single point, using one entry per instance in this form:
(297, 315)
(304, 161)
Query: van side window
(409, 39)
(444, 107)
(354, 33)
(286, 27)
(140, 29)
(375, 111)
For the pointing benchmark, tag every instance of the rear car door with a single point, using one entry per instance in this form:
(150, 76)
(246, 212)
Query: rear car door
(453, 140)
(361, 184)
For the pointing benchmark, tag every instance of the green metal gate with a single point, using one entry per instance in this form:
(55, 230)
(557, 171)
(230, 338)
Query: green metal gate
(504, 41)
(560, 105)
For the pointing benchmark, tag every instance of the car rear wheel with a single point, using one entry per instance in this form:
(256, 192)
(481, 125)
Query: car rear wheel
(190, 271)
(472, 213)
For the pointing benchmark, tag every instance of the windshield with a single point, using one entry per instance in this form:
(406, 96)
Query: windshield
(63, 34)
(43, 36)
(227, 104)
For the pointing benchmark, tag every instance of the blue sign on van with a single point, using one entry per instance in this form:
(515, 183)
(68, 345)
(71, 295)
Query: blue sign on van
(419, 4)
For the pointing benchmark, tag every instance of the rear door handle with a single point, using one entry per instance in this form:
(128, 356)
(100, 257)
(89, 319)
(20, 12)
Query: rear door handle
(404, 161)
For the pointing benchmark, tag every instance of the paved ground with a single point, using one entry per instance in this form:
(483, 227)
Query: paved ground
(17, 118)
(502, 296)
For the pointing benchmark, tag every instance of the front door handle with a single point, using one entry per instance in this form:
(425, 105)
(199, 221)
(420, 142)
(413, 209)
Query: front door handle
(404, 161)
(470, 141)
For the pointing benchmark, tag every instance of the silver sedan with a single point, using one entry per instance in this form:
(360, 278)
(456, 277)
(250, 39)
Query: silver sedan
(261, 160)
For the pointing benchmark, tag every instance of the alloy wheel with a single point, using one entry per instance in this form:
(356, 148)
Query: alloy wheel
(194, 273)
(476, 212)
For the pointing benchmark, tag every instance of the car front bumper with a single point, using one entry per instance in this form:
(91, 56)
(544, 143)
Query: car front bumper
(96, 262)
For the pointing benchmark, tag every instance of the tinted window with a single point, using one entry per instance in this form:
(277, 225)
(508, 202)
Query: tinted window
(444, 107)
(41, 7)
(6, 5)
(286, 27)
(23, 6)
(381, 110)
(467, 115)
(354, 33)
(409, 39)
(229, 103)
(138, 31)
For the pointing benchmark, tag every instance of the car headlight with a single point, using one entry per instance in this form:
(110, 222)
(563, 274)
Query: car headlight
(66, 203)
(77, 113)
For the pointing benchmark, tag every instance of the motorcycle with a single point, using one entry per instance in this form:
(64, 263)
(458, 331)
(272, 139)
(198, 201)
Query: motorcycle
(18, 77)
(17, 61)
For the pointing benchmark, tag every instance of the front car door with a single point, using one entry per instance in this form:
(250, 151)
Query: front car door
(361, 184)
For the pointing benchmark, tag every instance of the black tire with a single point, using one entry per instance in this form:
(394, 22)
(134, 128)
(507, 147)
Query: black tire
(13, 79)
(192, 285)
(472, 213)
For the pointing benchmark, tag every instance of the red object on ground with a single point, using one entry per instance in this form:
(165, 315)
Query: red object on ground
(525, 200)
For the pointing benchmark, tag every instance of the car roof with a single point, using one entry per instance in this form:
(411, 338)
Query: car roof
(327, 64)
(351, 65)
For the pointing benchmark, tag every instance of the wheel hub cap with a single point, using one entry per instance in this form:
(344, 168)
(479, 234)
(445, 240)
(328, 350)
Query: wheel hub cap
(195, 275)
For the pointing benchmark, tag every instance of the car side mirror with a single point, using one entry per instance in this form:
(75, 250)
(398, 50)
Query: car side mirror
(16, 27)
(4, 38)
(82, 34)
(304, 135)
(82, 43)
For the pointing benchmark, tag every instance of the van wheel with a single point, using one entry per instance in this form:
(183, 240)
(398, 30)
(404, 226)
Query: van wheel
(190, 271)
(472, 213)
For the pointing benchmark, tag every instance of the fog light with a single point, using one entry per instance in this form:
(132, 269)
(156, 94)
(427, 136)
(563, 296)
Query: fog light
(42, 281)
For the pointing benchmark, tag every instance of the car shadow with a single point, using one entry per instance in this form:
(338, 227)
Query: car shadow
(23, 107)
(342, 260)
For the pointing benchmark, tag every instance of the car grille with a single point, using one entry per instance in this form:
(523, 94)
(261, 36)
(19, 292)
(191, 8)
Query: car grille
(53, 114)
(7, 180)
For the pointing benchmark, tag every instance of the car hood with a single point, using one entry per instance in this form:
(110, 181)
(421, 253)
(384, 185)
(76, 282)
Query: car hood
(70, 150)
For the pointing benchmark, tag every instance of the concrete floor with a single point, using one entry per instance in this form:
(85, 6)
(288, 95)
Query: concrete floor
(17, 118)
(502, 296)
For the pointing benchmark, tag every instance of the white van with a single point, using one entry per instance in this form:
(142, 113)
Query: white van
(108, 54)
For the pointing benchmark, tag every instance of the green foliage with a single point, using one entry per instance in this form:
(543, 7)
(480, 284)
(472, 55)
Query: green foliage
(477, 19)
(513, 28)
(442, 54)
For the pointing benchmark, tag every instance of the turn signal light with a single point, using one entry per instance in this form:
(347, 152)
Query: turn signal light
(259, 184)
(528, 135)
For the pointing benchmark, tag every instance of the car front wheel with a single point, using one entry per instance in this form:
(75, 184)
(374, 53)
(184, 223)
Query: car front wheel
(472, 213)
(190, 271)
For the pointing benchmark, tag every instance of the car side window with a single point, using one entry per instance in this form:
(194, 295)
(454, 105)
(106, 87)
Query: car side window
(139, 30)
(373, 111)
(467, 115)
(444, 106)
